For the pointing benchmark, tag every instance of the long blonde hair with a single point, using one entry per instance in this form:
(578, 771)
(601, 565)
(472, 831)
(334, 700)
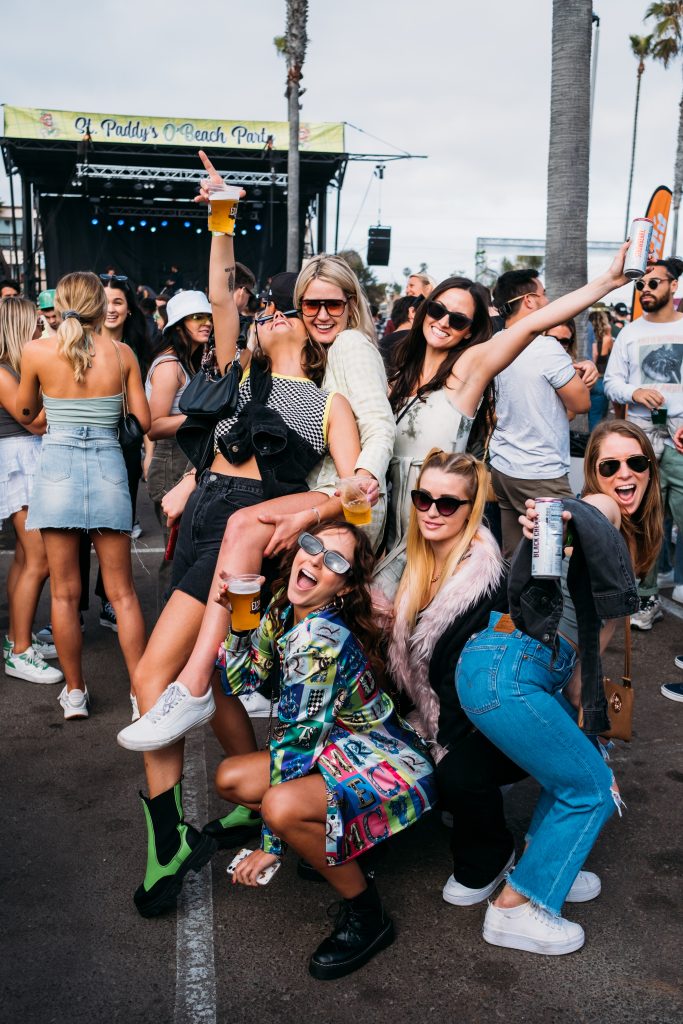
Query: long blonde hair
(419, 572)
(81, 293)
(18, 318)
(336, 271)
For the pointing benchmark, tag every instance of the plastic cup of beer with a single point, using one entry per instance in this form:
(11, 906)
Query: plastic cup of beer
(659, 416)
(244, 593)
(355, 504)
(223, 200)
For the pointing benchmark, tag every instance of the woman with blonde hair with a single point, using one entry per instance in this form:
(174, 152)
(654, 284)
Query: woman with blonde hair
(455, 577)
(24, 655)
(81, 482)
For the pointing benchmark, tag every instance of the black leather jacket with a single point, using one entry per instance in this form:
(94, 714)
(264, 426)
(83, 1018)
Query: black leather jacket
(602, 585)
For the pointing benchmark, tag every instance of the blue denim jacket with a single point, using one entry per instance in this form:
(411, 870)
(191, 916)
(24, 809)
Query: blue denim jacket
(602, 586)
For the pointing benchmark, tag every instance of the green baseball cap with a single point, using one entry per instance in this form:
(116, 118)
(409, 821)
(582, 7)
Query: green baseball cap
(46, 299)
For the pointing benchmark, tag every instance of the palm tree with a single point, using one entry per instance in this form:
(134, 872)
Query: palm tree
(569, 152)
(641, 47)
(293, 45)
(668, 44)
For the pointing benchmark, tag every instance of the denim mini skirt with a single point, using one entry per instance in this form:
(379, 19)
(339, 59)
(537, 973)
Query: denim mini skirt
(81, 481)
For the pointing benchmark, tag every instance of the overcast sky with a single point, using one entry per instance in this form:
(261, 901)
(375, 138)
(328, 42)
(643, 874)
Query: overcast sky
(467, 85)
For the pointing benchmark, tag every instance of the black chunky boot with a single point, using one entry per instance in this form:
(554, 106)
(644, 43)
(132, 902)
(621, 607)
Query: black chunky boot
(234, 829)
(362, 928)
(173, 848)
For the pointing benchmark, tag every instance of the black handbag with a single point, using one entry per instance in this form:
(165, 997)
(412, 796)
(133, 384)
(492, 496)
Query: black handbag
(130, 430)
(213, 397)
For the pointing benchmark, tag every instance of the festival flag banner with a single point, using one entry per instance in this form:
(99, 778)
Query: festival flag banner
(658, 211)
(72, 126)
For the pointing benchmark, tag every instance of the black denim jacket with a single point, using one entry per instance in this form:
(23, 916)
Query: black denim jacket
(602, 585)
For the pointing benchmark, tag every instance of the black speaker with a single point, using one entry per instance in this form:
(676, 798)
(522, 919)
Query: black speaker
(379, 244)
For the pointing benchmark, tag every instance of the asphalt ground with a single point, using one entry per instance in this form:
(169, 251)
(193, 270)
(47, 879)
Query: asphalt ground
(75, 950)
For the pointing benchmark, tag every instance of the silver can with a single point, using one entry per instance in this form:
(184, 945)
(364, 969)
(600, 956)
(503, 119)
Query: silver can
(547, 548)
(638, 251)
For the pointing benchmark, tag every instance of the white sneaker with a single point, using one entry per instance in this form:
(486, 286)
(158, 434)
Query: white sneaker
(47, 651)
(677, 593)
(586, 886)
(255, 705)
(136, 532)
(75, 703)
(531, 928)
(665, 579)
(135, 710)
(649, 613)
(174, 714)
(460, 896)
(30, 666)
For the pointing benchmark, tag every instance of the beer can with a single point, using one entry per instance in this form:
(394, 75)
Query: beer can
(546, 549)
(638, 251)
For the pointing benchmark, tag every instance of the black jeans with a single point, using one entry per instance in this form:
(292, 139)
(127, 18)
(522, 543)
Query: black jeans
(469, 778)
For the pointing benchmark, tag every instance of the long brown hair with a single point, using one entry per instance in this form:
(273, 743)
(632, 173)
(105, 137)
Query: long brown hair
(313, 359)
(357, 610)
(644, 529)
(18, 318)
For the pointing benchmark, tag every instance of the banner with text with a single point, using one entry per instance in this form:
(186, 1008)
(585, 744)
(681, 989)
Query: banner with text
(71, 126)
(658, 211)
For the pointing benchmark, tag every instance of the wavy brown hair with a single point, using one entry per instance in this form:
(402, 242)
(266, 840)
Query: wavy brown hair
(313, 359)
(357, 610)
(644, 530)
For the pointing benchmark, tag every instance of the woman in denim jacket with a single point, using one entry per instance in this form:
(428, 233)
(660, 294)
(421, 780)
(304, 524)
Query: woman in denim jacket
(509, 683)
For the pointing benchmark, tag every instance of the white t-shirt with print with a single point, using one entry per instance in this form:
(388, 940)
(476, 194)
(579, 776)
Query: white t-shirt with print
(531, 439)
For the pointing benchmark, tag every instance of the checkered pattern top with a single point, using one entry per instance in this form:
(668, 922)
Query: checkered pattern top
(302, 404)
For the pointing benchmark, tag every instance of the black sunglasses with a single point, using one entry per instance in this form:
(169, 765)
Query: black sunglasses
(653, 284)
(108, 278)
(638, 463)
(289, 313)
(445, 506)
(311, 307)
(332, 559)
(456, 321)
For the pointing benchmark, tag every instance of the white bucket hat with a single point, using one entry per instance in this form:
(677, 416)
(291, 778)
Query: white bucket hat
(184, 304)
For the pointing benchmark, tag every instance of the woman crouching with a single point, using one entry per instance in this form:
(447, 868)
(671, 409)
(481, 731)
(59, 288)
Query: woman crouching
(342, 772)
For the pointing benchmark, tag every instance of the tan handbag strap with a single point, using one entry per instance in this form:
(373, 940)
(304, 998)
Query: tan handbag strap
(627, 650)
(124, 390)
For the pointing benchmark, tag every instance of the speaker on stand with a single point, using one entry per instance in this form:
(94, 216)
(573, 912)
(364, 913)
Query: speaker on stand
(379, 245)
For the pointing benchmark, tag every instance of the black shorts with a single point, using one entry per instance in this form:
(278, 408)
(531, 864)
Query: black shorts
(202, 527)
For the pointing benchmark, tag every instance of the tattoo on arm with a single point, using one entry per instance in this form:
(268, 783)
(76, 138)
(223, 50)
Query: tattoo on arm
(25, 412)
(230, 271)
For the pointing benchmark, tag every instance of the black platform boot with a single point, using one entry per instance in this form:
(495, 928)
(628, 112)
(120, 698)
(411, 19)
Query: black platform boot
(173, 848)
(362, 928)
(235, 828)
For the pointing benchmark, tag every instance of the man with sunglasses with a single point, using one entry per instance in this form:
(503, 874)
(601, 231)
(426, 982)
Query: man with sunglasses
(529, 448)
(645, 373)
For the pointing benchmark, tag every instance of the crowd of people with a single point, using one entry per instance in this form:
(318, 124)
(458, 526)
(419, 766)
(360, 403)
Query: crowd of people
(407, 664)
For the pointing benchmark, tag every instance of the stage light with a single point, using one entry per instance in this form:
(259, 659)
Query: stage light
(152, 229)
(132, 227)
(120, 222)
(198, 230)
(94, 220)
(137, 186)
(186, 224)
(168, 188)
(143, 223)
(258, 227)
(164, 223)
(243, 231)
(109, 227)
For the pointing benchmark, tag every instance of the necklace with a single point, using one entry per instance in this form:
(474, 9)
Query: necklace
(435, 579)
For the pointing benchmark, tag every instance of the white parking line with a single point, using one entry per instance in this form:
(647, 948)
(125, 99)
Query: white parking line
(195, 997)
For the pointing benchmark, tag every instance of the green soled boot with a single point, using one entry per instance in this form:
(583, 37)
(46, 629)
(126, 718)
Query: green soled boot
(234, 829)
(173, 848)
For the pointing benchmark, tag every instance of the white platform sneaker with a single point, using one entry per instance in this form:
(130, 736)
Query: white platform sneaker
(533, 929)
(173, 715)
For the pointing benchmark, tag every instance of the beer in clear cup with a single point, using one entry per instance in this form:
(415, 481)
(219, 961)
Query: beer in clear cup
(244, 593)
(223, 200)
(355, 504)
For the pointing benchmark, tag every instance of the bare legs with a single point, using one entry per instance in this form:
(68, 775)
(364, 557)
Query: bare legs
(25, 580)
(244, 542)
(295, 811)
(113, 552)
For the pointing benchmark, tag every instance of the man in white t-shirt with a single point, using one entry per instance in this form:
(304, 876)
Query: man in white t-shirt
(644, 372)
(529, 448)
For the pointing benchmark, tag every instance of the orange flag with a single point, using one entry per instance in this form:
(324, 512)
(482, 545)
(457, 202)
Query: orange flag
(658, 211)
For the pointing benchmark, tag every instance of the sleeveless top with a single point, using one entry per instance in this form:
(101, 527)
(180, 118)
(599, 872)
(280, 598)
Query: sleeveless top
(9, 427)
(103, 411)
(302, 404)
(168, 358)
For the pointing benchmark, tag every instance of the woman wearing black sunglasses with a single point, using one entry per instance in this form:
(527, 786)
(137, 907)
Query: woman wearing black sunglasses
(342, 771)
(443, 391)
(510, 685)
(455, 577)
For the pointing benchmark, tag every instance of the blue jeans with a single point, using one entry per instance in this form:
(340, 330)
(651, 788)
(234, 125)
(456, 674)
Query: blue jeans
(507, 687)
(599, 404)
